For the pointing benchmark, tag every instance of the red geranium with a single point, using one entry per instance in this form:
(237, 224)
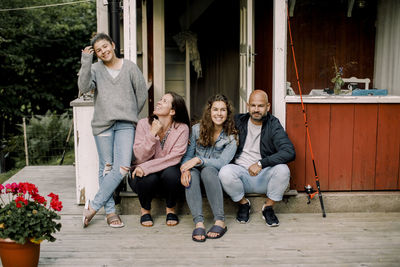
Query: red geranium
(21, 200)
(26, 215)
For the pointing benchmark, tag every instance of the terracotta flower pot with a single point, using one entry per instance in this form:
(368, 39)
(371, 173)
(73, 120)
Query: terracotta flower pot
(17, 255)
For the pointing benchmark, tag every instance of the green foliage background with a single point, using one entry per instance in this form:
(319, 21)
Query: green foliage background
(39, 58)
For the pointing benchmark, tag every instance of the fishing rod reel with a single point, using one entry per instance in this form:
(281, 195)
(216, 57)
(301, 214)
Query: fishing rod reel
(310, 193)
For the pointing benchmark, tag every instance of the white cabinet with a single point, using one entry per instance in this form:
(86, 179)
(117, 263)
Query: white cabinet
(86, 158)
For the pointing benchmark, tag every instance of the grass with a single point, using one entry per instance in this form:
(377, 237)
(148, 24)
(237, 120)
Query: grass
(69, 159)
(7, 175)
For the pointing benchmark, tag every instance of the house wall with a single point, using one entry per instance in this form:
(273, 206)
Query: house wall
(355, 146)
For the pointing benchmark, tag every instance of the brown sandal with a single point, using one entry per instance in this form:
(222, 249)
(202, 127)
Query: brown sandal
(111, 218)
(87, 215)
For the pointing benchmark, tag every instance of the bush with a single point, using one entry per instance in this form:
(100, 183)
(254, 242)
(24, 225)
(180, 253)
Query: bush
(46, 136)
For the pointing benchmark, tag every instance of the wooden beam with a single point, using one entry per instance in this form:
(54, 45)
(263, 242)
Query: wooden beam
(279, 61)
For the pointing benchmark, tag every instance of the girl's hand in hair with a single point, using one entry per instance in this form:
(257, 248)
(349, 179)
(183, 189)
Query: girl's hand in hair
(88, 50)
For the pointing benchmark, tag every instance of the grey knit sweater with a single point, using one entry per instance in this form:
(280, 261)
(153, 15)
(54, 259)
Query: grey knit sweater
(119, 98)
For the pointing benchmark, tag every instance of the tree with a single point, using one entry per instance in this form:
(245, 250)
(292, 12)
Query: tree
(39, 56)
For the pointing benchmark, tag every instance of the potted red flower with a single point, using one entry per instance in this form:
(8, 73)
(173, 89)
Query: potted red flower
(26, 219)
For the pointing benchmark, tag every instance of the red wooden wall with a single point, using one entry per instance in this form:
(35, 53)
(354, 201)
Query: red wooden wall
(356, 146)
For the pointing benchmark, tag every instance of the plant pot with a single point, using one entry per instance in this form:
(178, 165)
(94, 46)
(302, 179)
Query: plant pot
(17, 255)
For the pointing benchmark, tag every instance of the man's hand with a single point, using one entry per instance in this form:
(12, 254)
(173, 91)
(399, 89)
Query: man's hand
(254, 169)
(137, 172)
(185, 178)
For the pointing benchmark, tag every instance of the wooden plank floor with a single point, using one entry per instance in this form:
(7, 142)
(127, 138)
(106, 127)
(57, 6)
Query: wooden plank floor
(340, 239)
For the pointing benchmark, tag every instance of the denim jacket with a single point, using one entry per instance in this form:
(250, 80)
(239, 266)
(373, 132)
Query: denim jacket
(215, 156)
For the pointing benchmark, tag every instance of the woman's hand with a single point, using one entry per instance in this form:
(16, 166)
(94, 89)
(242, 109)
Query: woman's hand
(88, 50)
(137, 172)
(190, 164)
(185, 178)
(156, 127)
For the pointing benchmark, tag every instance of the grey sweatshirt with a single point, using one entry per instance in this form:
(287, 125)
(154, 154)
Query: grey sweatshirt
(119, 98)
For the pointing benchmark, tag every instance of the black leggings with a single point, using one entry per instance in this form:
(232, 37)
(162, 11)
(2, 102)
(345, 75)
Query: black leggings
(167, 182)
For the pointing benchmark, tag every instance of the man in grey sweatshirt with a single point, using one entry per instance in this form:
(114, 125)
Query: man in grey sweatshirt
(120, 93)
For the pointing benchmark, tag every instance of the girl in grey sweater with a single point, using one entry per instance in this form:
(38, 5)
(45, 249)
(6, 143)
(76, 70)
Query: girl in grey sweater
(120, 93)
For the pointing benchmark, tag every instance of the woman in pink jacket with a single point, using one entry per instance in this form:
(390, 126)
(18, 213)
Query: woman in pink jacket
(160, 143)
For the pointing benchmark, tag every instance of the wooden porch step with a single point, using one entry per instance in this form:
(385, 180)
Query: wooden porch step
(293, 202)
(130, 203)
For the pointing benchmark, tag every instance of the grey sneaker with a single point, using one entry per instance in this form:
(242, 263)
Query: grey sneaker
(269, 216)
(243, 214)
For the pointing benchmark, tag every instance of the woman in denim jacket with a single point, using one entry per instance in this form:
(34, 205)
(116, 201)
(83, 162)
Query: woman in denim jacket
(212, 145)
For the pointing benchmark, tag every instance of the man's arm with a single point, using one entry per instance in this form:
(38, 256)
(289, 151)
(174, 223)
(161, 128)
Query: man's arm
(285, 152)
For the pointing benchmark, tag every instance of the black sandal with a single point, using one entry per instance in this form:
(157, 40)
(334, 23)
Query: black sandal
(146, 218)
(201, 232)
(218, 230)
(172, 217)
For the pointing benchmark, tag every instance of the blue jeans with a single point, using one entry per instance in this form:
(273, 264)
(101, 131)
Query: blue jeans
(212, 185)
(115, 149)
(271, 181)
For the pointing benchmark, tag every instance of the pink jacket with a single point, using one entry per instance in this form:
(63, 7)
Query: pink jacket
(147, 148)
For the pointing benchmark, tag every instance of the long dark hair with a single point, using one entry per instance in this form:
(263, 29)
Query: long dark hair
(181, 112)
(207, 125)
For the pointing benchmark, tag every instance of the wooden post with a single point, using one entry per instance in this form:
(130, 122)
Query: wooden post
(25, 142)
(279, 61)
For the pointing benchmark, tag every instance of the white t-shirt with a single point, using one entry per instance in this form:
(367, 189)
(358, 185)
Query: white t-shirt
(251, 150)
(114, 73)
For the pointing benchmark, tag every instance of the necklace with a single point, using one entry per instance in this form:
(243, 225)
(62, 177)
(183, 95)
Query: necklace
(165, 137)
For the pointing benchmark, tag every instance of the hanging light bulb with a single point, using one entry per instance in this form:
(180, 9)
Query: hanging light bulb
(361, 3)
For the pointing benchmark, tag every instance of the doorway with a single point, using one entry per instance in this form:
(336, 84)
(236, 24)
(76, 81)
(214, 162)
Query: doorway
(215, 25)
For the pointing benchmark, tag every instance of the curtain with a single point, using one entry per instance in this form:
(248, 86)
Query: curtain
(218, 43)
(387, 49)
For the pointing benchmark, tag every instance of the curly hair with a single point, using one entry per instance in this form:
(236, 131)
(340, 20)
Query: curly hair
(207, 125)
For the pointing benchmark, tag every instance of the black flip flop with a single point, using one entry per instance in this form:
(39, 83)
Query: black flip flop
(199, 231)
(146, 218)
(218, 230)
(172, 217)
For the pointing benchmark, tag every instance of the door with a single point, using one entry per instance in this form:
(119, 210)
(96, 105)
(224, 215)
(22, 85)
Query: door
(246, 81)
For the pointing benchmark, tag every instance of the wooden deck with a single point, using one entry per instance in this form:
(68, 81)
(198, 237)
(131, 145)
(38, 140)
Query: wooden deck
(340, 239)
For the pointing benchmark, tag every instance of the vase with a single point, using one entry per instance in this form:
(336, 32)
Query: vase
(337, 88)
(17, 255)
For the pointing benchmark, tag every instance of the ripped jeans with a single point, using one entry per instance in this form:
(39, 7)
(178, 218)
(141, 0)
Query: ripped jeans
(115, 148)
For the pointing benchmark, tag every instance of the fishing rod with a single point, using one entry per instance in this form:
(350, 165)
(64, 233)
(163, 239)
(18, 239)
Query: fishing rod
(309, 190)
